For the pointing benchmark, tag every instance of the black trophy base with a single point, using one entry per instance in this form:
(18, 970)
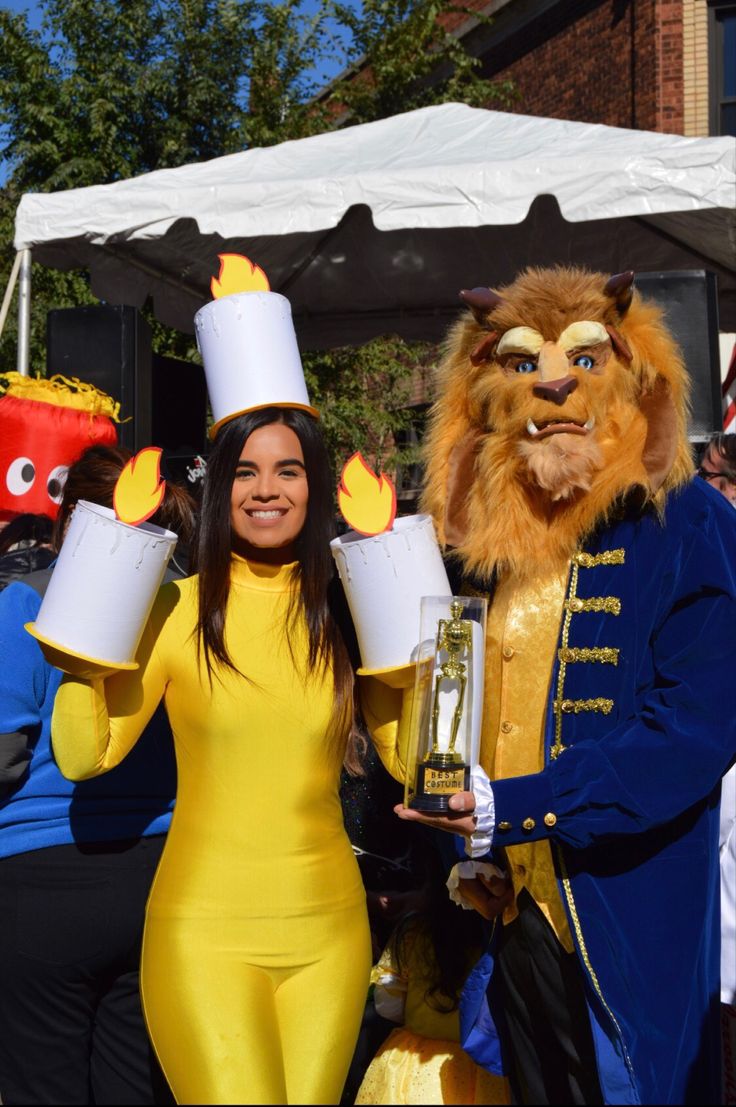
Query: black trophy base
(436, 782)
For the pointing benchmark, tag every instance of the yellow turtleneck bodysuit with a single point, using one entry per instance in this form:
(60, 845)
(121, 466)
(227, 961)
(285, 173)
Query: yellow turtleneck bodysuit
(256, 954)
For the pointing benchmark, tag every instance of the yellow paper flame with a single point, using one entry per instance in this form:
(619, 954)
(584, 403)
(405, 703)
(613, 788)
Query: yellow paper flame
(139, 489)
(367, 502)
(238, 274)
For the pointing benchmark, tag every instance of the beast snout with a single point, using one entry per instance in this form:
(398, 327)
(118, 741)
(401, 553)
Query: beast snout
(555, 391)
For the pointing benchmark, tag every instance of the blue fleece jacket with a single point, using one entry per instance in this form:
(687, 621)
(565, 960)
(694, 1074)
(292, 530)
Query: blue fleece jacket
(41, 808)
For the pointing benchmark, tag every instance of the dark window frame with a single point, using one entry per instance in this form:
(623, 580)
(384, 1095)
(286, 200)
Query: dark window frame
(716, 48)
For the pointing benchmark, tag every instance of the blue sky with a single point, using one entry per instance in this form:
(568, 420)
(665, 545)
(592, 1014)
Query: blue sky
(34, 11)
(24, 6)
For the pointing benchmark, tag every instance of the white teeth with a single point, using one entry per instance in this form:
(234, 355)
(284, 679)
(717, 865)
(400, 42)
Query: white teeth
(532, 427)
(590, 423)
(265, 514)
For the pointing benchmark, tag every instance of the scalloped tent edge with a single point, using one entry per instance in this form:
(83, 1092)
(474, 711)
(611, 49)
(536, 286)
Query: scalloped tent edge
(373, 229)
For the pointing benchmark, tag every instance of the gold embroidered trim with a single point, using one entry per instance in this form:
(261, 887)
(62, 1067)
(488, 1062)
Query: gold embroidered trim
(611, 605)
(607, 655)
(608, 557)
(558, 747)
(574, 707)
(572, 908)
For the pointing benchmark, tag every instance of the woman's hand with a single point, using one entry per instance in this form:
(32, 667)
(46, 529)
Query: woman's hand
(459, 820)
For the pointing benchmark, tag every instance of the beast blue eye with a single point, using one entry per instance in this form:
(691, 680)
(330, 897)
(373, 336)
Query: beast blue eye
(584, 361)
(526, 367)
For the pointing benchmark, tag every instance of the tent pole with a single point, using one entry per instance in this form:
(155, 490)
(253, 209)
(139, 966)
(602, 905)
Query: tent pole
(9, 290)
(24, 312)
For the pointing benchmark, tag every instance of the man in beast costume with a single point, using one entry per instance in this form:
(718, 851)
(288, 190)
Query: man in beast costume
(559, 472)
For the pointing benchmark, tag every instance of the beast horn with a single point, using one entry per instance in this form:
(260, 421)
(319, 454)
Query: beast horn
(481, 301)
(621, 288)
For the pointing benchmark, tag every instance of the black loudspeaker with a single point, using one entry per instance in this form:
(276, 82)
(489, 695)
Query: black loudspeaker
(179, 405)
(689, 299)
(163, 401)
(109, 347)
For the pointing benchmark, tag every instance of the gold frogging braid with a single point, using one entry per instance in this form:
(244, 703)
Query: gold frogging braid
(574, 707)
(607, 557)
(607, 655)
(611, 605)
(567, 654)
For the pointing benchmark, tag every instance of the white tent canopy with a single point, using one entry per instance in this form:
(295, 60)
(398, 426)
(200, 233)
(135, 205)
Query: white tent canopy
(375, 228)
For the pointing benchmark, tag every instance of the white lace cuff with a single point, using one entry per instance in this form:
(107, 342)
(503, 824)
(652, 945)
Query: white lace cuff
(479, 842)
(467, 870)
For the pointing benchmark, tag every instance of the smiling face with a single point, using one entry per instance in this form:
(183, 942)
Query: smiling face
(268, 503)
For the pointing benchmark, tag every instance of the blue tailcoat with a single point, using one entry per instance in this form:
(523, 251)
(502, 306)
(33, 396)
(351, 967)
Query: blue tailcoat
(648, 726)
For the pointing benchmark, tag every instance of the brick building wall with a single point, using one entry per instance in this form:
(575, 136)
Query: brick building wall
(696, 120)
(616, 62)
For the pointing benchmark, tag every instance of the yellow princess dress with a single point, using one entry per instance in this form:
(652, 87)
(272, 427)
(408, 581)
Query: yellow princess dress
(421, 1062)
(258, 907)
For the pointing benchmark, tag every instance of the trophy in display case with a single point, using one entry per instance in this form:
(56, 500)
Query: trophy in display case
(448, 700)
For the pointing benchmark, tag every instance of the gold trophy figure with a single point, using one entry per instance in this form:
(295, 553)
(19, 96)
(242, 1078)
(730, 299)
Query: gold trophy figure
(444, 772)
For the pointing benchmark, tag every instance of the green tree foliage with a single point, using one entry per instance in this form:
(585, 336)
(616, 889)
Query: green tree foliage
(109, 89)
(405, 54)
(364, 394)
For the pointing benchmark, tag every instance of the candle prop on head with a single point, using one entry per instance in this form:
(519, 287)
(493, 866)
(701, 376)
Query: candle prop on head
(248, 344)
(386, 565)
(109, 569)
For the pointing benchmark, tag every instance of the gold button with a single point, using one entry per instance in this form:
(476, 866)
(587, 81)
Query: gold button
(508, 652)
(575, 604)
(520, 870)
(567, 706)
(504, 826)
(528, 824)
(550, 819)
(506, 726)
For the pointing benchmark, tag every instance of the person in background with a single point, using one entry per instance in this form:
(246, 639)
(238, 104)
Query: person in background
(25, 545)
(76, 864)
(718, 465)
(390, 859)
(418, 981)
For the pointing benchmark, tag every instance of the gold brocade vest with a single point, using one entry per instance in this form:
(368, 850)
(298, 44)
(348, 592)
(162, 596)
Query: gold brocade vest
(522, 635)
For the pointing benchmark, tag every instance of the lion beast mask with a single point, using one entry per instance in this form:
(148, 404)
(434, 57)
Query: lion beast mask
(558, 395)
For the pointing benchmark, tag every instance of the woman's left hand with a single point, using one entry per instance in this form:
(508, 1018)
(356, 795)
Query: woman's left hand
(460, 819)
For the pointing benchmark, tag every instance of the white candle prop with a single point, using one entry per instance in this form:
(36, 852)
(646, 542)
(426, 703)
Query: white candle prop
(103, 586)
(248, 344)
(384, 577)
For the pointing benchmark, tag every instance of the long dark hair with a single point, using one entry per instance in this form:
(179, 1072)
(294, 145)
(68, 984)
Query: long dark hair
(318, 597)
(446, 939)
(93, 477)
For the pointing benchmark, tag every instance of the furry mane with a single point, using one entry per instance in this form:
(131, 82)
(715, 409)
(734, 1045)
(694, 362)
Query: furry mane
(478, 485)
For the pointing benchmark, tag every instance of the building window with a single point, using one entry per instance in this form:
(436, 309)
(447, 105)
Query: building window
(722, 68)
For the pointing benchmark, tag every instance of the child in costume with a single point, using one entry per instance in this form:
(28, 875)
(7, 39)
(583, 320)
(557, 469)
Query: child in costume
(559, 473)
(418, 981)
(258, 905)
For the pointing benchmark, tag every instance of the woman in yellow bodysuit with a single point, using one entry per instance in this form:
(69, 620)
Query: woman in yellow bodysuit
(257, 954)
